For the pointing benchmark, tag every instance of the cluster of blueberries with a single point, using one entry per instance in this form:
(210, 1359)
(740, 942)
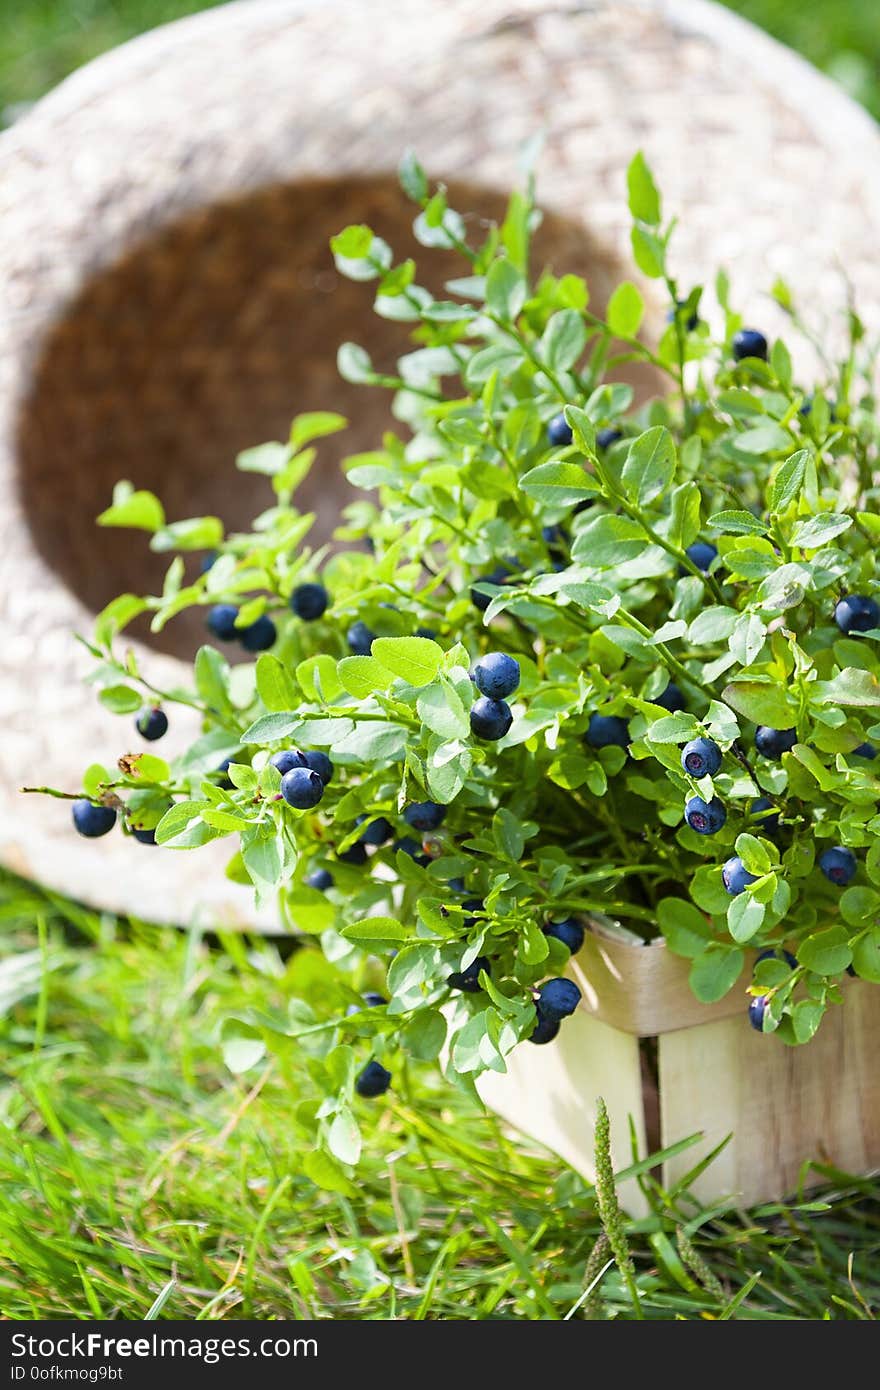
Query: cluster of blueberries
(307, 601)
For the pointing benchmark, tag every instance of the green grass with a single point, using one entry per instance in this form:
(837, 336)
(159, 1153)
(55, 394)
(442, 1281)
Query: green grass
(133, 1168)
(135, 1171)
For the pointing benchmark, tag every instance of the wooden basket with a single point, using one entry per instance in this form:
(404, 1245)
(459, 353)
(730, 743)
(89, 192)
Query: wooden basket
(167, 296)
(709, 1072)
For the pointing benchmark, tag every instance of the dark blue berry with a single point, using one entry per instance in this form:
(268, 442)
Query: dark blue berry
(748, 342)
(856, 613)
(407, 845)
(93, 821)
(672, 699)
(768, 823)
(545, 1030)
(208, 561)
(557, 999)
(302, 788)
(360, 639)
(490, 719)
(356, 854)
(152, 724)
(374, 1000)
(287, 760)
(373, 1081)
(607, 731)
(569, 932)
(222, 770)
(774, 954)
(865, 750)
(736, 877)
(221, 621)
(559, 432)
(838, 865)
(309, 601)
(706, 817)
(496, 675)
(553, 535)
(468, 979)
(456, 885)
(259, 636)
(426, 632)
(322, 879)
(692, 319)
(605, 438)
(701, 757)
(378, 832)
(772, 743)
(425, 815)
(145, 837)
(320, 763)
(701, 554)
(757, 1008)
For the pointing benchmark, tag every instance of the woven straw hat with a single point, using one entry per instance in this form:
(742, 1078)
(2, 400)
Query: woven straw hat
(167, 297)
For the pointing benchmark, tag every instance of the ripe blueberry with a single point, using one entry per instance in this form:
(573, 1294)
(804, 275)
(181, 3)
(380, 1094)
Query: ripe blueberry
(373, 1081)
(748, 342)
(321, 879)
(838, 865)
(607, 731)
(706, 817)
(426, 632)
(736, 877)
(208, 561)
(672, 699)
(557, 998)
(225, 782)
(145, 837)
(468, 979)
(424, 815)
(221, 621)
(355, 854)
(302, 788)
(865, 750)
(701, 554)
(605, 438)
(545, 1030)
(569, 932)
(378, 832)
(93, 821)
(559, 432)
(259, 636)
(360, 639)
(320, 763)
(496, 675)
(757, 1007)
(769, 824)
(287, 760)
(774, 742)
(856, 613)
(407, 845)
(309, 601)
(701, 757)
(152, 724)
(490, 719)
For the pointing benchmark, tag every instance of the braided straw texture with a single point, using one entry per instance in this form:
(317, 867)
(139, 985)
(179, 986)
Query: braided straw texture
(167, 297)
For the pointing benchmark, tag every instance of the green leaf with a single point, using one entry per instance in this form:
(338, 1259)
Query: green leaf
(211, 672)
(763, 704)
(375, 931)
(315, 424)
(684, 928)
(860, 906)
(241, 1049)
(275, 685)
(413, 179)
(763, 439)
(644, 199)
(344, 1137)
(424, 1035)
(354, 364)
(737, 523)
(817, 531)
(270, 728)
(648, 253)
(182, 826)
(146, 767)
(415, 659)
(851, 686)
(789, 481)
(625, 311)
(715, 972)
(608, 539)
(268, 459)
(352, 243)
(198, 533)
(505, 290)
(826, 952)
(559, 483)
(326, 1173)
(744, 917)
(583, 429)
(754, 854)
(675, 728)
(141, 510)
(363, 675)
(565, 338)
(866, 956)
(650, 465)
(319, 679)
(508, 832)
(120, 699)
(441, 710)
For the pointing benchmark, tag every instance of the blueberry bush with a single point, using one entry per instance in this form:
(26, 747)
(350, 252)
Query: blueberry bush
(571, 659)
